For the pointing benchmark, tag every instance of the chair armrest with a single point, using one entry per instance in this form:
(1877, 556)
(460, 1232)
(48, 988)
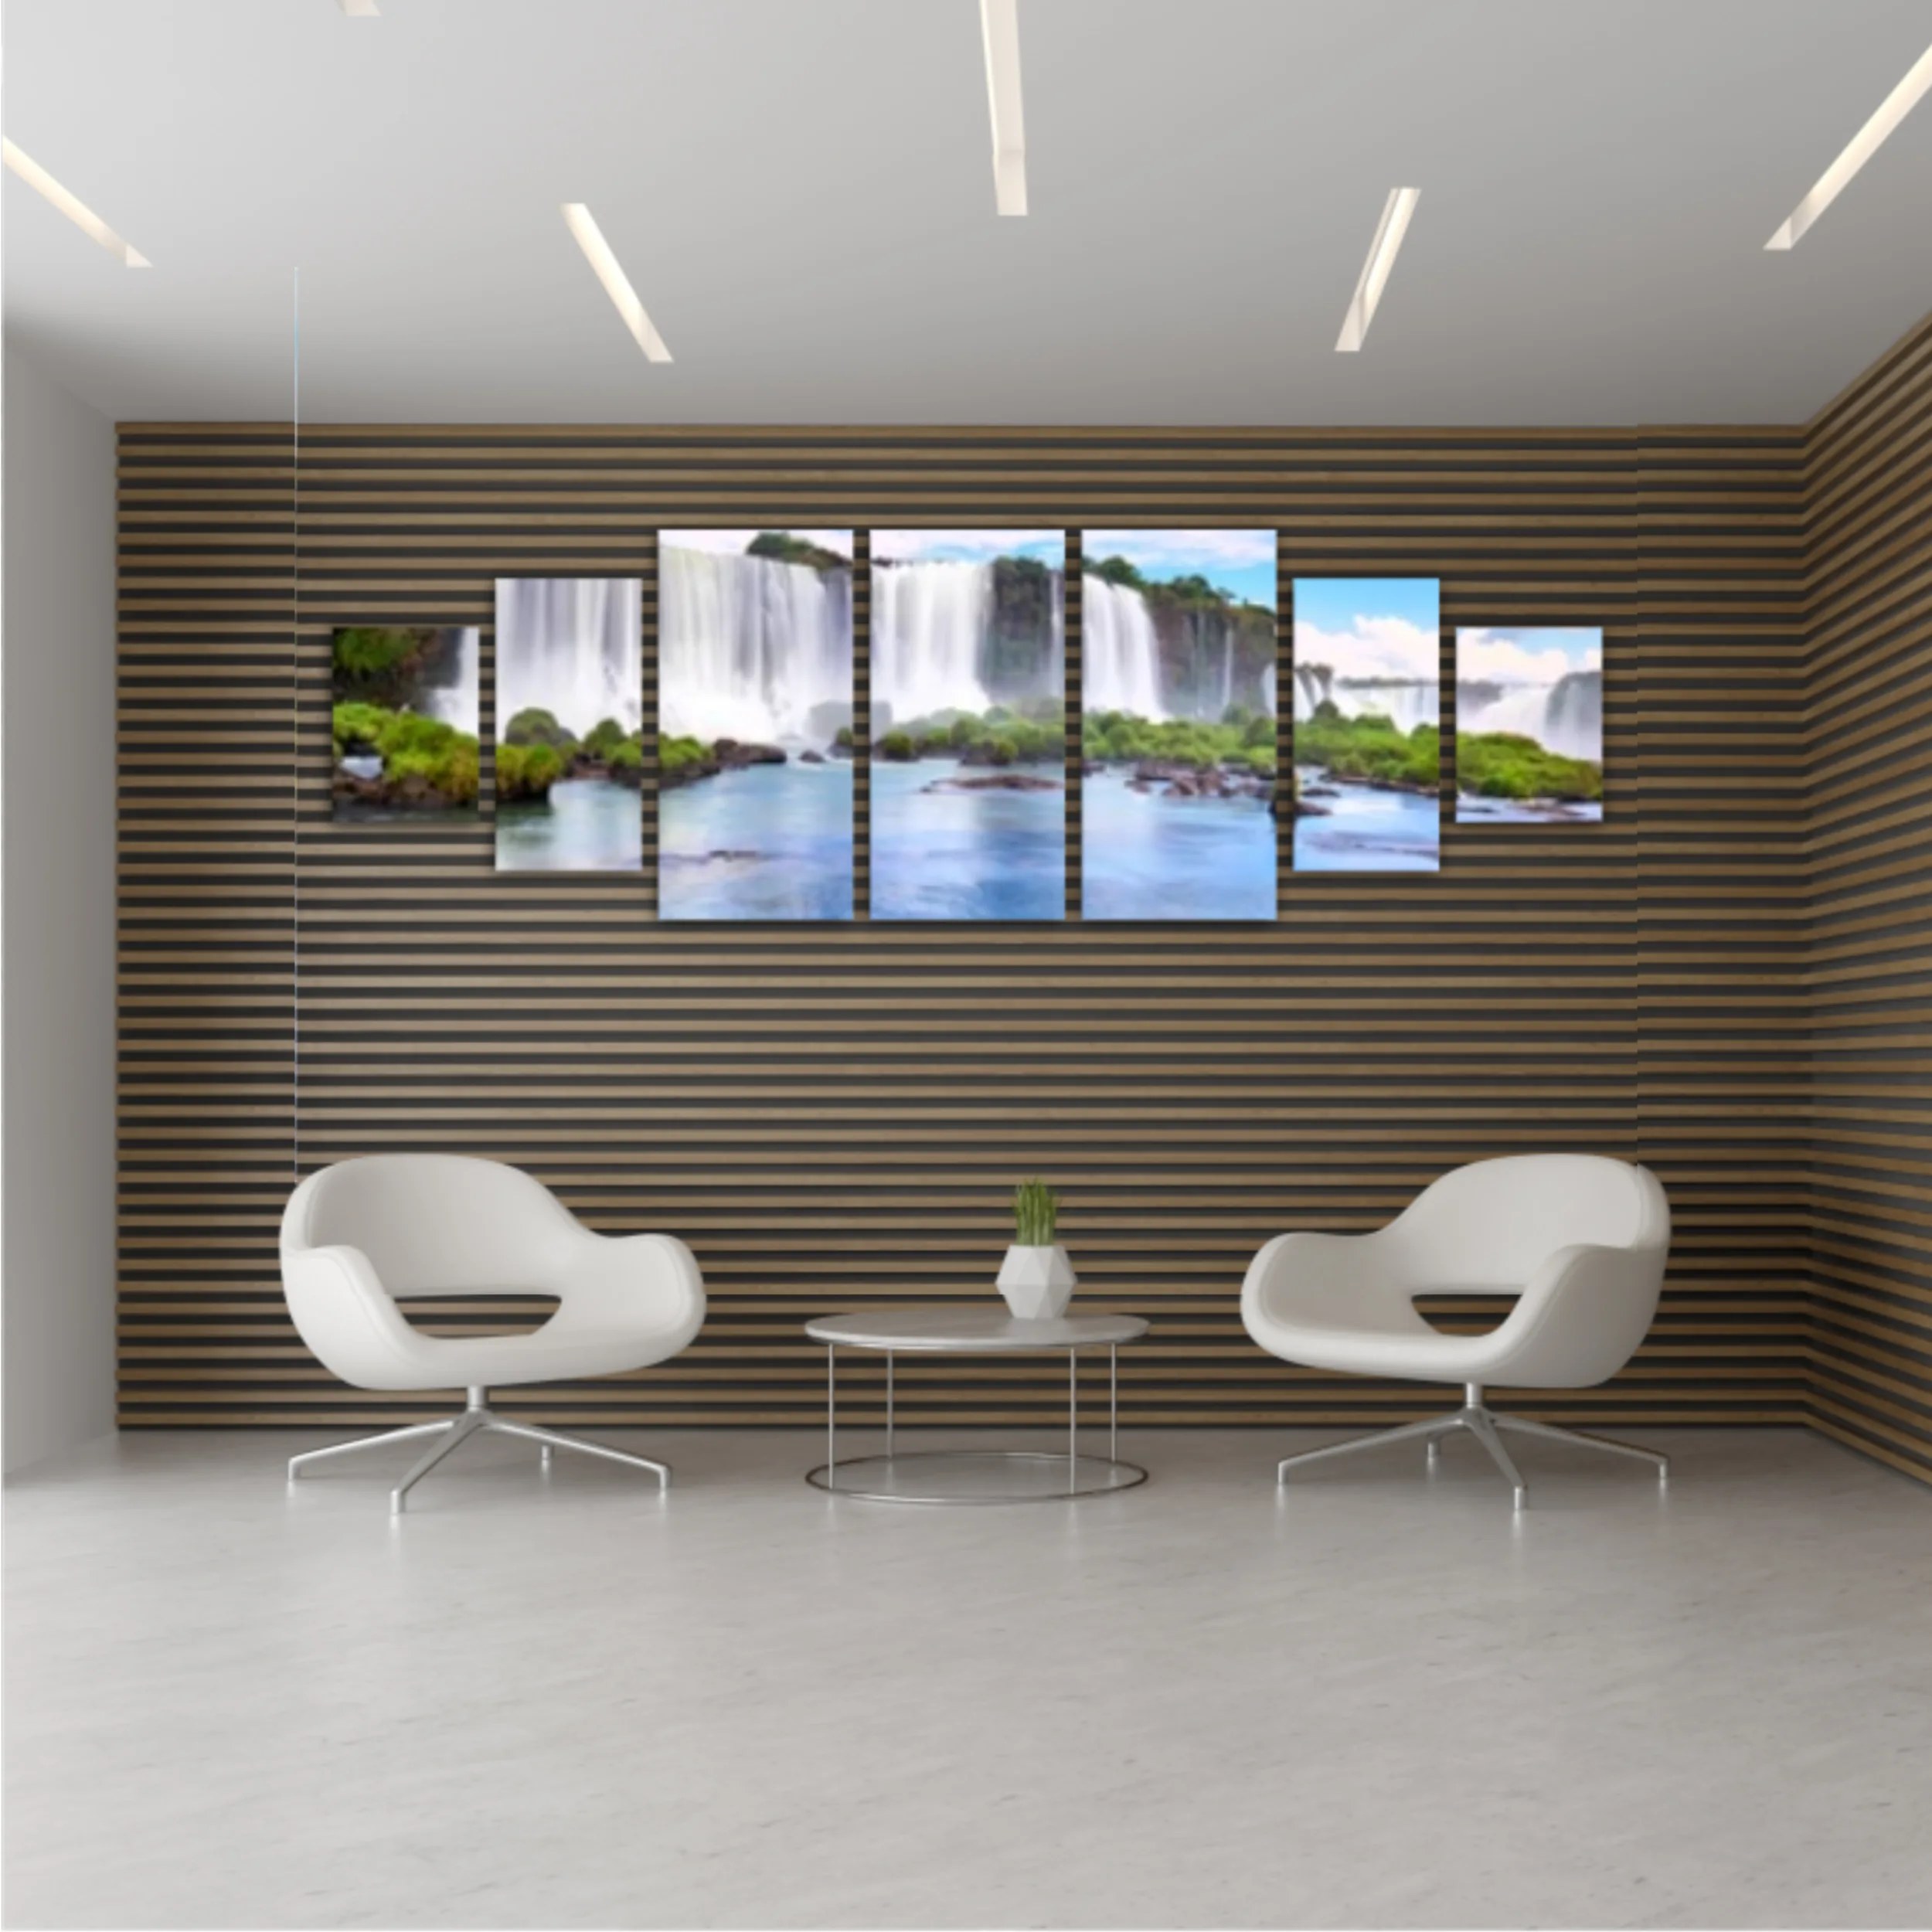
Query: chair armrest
(1323, 1273)
(348, 1319)
(1581, 1316)
(630, 1280)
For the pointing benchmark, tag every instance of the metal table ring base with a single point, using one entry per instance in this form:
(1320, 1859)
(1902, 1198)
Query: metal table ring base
(980, 1476)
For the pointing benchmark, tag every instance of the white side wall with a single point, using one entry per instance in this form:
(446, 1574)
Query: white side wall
(57, 923)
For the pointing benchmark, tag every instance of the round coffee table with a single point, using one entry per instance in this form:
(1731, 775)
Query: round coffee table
(975, 1475)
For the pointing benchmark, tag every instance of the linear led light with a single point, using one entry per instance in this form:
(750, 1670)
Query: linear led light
(999, 24)
(1863, 146)
(1394, 225)
(617, 285)
(360, 10)
(76, 210)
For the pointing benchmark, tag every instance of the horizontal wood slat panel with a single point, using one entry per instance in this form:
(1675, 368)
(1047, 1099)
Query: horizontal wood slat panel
(835, 1115)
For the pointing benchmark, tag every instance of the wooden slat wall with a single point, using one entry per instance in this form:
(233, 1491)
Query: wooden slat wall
(1868, 726)
(835, 1114)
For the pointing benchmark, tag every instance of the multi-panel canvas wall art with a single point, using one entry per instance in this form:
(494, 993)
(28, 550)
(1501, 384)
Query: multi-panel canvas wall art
(404, 723)
(569, 709)
(1368, 720)
(968, 724)
(1529, 724)
(1177, 724)
(755, 724)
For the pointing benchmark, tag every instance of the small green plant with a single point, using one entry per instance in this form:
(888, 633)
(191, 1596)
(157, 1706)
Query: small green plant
(1036, 1210)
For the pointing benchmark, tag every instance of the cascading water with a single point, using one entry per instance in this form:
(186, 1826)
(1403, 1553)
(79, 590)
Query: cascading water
(930, 623)
(1120, 660)
(1565, 717)
(449, 688)
(571, 646)
(752, 648)
(1406, 705)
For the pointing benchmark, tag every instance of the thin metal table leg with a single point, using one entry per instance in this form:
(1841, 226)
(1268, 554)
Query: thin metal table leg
(1112, 1402)
(888, 1403)
(831, 1412)
(1073, 1418)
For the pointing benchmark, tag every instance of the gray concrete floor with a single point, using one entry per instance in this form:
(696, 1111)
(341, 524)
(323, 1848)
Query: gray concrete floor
(1374, 1698)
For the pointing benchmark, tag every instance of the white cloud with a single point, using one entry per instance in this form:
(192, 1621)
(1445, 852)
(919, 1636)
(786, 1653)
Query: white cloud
(1527, 657)
(1371, 648)
(732, 542)
(1180, 551)
(969, 547)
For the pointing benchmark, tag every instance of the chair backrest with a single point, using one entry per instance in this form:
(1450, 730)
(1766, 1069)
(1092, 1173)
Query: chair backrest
(435, 1223)
(1492, 1224)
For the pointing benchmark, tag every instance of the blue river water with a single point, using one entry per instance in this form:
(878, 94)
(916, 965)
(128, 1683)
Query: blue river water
(771, 842)
(979, 853)
(1145, 855)
(1366, 829)
(1471, 810)
(590, 825)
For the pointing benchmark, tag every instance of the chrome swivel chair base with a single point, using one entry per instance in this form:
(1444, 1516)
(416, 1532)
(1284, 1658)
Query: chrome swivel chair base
(1484, 1423)
(477, 1418)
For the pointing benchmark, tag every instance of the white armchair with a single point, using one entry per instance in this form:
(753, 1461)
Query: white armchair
(1580, 1241)
(358, 1235)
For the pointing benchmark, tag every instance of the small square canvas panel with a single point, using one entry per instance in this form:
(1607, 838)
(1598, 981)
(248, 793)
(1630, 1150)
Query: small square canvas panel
(1178, 648)
(404, 700)
(1368, 724)
(755, 724)
(1530, 725)
(569, 706)
(968, 724)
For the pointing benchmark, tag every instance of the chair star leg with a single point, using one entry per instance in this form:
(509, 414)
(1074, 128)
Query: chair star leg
(550, 1440)
(1477, 1422)
(1430, 1427)
(365, 1442)
(464, 1427)
(1524, 1426)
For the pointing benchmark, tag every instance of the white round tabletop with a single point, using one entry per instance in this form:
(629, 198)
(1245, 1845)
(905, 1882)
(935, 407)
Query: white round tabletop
(981, 1331)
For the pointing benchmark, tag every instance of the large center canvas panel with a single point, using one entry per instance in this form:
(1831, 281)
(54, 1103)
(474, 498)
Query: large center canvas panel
(569, 706)
(1368, 724)
(755, 717)
(968, 724)
(1177, 696)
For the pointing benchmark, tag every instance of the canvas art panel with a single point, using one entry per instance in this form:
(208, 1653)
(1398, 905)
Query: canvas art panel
(1178, 652)
(1530, 725)
(968, 724)
(404, 723)
(755, 724)
(569, 709)
(1368, 722)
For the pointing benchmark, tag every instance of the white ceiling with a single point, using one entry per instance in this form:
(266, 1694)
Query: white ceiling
(802, 191)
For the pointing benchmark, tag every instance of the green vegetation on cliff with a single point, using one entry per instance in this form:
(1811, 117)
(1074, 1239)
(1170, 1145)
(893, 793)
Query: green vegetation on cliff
(410, 747)
(1242, 736)
(526, 772)
(1191, 593)
(1005, 735)
(535, 725)
(1499, 764)
(1369, 747)
(780, 546)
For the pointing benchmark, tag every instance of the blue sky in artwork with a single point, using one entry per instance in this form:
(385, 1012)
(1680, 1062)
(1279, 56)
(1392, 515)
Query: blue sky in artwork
(969, 547)
(1349, 604)
(1238, 562)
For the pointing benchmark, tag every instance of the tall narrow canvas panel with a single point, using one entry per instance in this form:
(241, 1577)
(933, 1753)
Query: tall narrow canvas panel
(755, 718)
(1177, 697)
(404, 721)
(1530, 725)
(569, 707)
(1368, 724)
(968, 724)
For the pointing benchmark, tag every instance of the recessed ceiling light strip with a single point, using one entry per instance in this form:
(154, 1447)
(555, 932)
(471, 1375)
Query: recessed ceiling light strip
(999, 25)
(76, 210)
(1863, 145)
(1394, 225)
(617, 284)
(360, 10)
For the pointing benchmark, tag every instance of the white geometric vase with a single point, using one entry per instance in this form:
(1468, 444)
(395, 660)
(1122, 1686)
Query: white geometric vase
(1037, 1283)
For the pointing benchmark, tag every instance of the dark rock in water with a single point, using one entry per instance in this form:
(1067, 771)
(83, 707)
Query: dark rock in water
(413, 793)
(1089, 766)
(723, 855)
(811, 757)
(1304, 810)
(671, 777)
(996, 781)
(733, 756)
(1320, 791)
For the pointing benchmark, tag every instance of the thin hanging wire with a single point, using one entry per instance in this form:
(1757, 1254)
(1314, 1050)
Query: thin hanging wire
(295, 727)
